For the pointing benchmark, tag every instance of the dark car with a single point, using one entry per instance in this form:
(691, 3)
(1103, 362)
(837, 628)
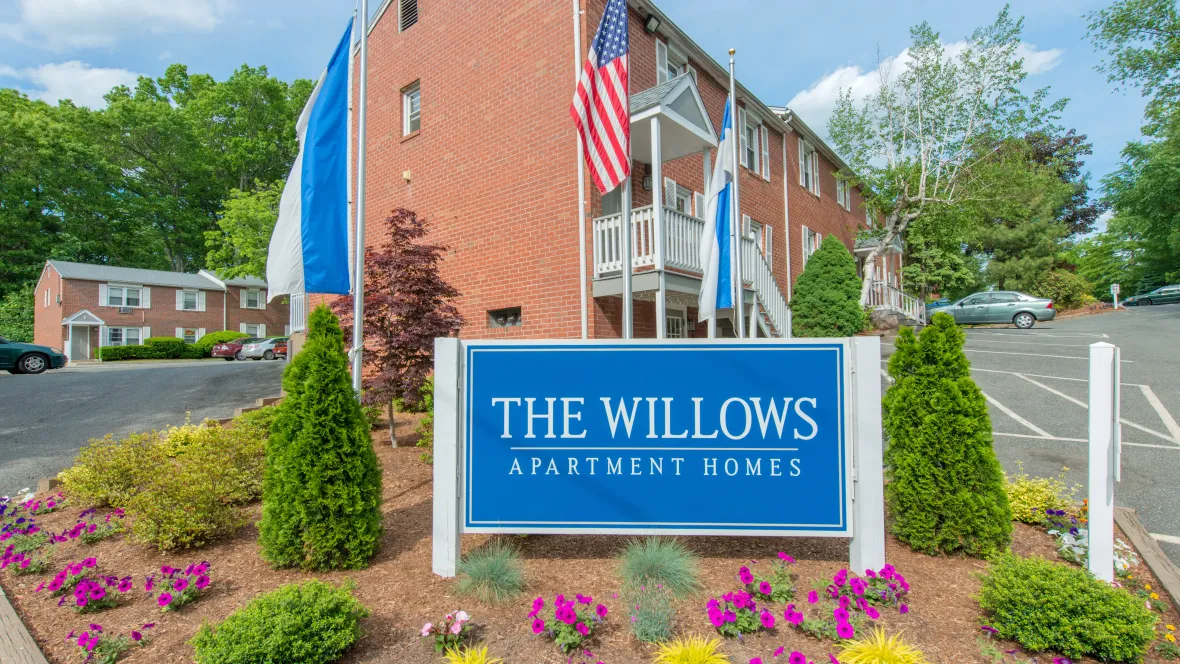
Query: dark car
(1020, 309)
(232, 350)
(22, 358)
(1162, 295)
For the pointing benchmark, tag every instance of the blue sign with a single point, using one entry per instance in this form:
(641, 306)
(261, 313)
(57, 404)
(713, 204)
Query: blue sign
(690, 438)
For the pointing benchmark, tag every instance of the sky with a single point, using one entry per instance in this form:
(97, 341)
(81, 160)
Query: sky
(800, 53)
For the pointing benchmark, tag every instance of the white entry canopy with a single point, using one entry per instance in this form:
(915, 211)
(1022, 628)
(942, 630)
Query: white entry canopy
(83, 317)
(685, 127)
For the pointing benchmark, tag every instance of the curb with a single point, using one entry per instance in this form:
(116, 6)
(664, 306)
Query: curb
(1153, 555)
(16, 644)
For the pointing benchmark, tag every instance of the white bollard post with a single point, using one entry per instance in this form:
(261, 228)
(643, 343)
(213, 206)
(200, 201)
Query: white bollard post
(1103, 458)
(867, 548)
(445, 541)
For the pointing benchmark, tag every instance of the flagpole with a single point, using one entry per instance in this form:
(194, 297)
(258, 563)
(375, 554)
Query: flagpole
(581, 179)
(358, 292)
(735, 217)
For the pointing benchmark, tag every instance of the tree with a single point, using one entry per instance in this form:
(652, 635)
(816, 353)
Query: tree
(238, 246)
(321, 502)
(945, 489)
(407, 305)
(16, 314)
(826, 301)
(1142, 40)
(918, 141)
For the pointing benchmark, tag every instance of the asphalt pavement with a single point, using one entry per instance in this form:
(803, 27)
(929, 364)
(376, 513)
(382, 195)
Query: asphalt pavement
(1037, 386)
(46, 419)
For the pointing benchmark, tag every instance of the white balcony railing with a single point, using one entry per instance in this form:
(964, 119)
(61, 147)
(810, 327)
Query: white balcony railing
(682, 238)
(884, 296)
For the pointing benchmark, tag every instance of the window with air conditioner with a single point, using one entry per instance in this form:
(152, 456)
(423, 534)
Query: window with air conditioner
(411, 108)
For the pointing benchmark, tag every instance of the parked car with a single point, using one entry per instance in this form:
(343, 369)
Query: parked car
(261, 349)
(232, 350)
(1020, 309)
(1162, 295)
(22, 358)
(281, 348)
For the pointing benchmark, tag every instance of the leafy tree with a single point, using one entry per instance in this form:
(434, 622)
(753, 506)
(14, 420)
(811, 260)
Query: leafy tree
(826, 301)
(918, 142)
(239, 245)
(1142, 41)
(946, 490)
(321, 497)
(16, 314)
(407, 305)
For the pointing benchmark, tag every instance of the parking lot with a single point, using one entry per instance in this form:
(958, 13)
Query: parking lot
(1037, 390)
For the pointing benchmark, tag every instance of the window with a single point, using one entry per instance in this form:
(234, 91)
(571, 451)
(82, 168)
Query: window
(504, 317)
(407, 14)
(253, 299)
(808, 167)
(123, 296)
(411, 109)
(123, 336)
(188, 300)
(811, 242)
(189, 335)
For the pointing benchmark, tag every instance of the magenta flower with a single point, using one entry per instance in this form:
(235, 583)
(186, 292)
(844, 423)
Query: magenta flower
(845, 631)
(779, 651)
(903, 609)
(764, 588)
(797, 657)
(745, 576)
(180, 584)
(538, 626)
(163, 599)
(600, 610)
(812, 597)
(202, 582)
(582, 629)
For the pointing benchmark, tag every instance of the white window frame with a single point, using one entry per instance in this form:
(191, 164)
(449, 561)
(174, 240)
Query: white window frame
(410, 93)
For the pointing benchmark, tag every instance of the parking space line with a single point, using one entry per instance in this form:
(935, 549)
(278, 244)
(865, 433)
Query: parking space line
(1083, 404)
(1008, 411)
(1170, 539)
(1167, 418)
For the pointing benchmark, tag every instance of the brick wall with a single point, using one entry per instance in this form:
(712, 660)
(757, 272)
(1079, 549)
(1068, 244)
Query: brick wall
(47, 328)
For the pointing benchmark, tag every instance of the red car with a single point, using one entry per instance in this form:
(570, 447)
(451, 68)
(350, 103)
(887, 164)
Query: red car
(232, 350)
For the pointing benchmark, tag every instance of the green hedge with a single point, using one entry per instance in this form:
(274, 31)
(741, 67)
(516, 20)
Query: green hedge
(1047, 606)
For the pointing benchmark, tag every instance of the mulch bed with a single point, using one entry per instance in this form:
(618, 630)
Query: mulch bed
(402, 593)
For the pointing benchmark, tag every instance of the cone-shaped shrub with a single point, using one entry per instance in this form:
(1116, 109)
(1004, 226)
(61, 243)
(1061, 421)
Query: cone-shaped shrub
(322, 490)
(946, 490)
(826, 302)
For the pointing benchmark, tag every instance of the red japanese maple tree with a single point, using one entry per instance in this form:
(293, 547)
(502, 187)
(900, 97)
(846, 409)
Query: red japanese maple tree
(407, 305)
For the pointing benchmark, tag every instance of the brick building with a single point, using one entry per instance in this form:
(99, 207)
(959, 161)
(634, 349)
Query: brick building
(468, 125)
(81, 307)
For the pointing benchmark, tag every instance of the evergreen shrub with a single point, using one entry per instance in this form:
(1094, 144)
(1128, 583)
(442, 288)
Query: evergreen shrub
(946, 491)
(826, 300)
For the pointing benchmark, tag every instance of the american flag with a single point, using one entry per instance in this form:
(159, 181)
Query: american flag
(602, 108)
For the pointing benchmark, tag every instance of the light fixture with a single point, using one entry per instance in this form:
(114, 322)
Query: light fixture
(651, 24)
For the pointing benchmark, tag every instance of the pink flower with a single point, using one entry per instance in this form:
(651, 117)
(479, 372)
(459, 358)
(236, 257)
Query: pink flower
(427, 629)
(583, 629)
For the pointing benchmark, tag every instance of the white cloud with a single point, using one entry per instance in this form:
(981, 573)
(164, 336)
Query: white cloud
(61, 25)
(73, 80)
(815, 104)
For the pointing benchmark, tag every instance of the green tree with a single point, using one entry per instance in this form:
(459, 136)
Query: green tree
(918, 141)
(321, 502)
(16, 314)
(239, 245)
(826, 302)
(945, 489)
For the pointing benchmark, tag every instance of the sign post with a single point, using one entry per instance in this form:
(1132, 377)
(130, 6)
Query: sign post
(1114, 294)
(724, 437)
(1105, 454)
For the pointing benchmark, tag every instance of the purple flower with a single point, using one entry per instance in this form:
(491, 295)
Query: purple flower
(812, 597)
(764, 587)
(797, 657)
(903, 609)
(600, 610)
(164, 599)
(583, 629)
(767, 619)
(538, 626)
(745, 576)
(845, 631)
(202, 582)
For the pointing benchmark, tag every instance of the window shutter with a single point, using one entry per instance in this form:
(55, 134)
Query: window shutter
(262, 329)
(241, 298)
(145, 333)
(765, 153)
(698, 202)
(200, 300)
(102, 295)
(180, 300)
(742, 133)
(145, 298)
(200, 332)
(802, 164)
(769, 249)
(661, 62)
(669, 192)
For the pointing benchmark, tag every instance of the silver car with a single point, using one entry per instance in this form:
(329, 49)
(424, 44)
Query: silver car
(1020, 309)
(261, 349)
